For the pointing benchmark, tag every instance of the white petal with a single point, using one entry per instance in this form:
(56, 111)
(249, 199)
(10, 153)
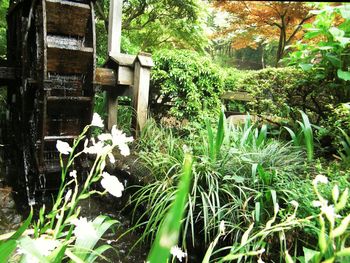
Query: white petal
(63, 147)
(105, 137)
(320, 179)
(97, 121)
(73, 174)
(111, 158)
(177, 252)
(124, 149)
(112, 185)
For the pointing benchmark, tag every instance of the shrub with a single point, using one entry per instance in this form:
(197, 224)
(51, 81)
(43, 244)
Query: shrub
(339, 120)
(184, 85)
(283, 91)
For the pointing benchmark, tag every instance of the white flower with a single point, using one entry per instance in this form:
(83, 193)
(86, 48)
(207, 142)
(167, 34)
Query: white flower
(112, 184)
(73, 174)
(97, 148)
(46, 245)
(186, 149)
(329, 210)
(84, 229)
(320, 179)
(63, 147)
(68, 195)
(105, 137)
(97, 121)
(42, 244)
(119, 139)
(177, 252)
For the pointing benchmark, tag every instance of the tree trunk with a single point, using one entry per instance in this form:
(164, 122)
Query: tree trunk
(282, 42)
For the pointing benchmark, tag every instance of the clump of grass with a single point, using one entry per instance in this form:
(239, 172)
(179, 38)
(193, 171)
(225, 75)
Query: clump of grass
(234, 170)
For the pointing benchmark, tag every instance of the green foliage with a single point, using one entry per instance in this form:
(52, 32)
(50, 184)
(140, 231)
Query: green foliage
(325, 46)
(234, 168)
(338, 125)
(168, 234)
(283, 92)
(149, 25)
(307, 139)
(330, 222)
(8, 246)
(185, 85)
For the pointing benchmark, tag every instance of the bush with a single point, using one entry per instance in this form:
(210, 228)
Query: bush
(283, 91)
(337, 128)
(184, 85)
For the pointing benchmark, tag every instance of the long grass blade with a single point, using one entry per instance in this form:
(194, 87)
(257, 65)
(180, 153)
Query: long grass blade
(308, 136)
(168, 233)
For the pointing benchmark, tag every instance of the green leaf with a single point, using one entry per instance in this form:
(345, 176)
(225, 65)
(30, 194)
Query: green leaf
(308, 135)
(345, 11)
(23, 227)
(97, 252)
(220, 134)
(210, 139)
(345, 252)
(309, 254)
(336, 62)
(345, 75)
(344, 41)
(8, 246)
(246, 235)
(6, 249)
(288, 258)
(168, 234)
(262, 135)
(336, 32)
(305, 66)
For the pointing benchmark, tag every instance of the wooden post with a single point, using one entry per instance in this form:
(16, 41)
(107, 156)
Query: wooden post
(112, 107)
(142, 74)
(115, 26)
(114, 39)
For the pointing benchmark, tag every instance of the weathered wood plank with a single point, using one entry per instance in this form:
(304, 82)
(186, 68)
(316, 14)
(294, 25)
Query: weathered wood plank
(67, 18)
(140, 96)
(125, 76)
(69, 61)
(105, 77)
(115, 26)
(237, 95)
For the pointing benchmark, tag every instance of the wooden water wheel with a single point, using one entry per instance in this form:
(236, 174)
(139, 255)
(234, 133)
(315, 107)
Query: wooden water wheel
(51, 47)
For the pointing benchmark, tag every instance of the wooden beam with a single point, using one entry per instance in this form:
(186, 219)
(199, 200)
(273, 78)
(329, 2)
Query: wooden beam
(237, 95)
(115, 26)
(142, 76)
(105, 77)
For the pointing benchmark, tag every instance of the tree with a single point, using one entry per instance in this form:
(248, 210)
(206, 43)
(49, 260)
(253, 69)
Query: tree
(252, 22)
(153, 24)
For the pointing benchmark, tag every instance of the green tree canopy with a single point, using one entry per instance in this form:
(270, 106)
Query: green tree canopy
(153, 24)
